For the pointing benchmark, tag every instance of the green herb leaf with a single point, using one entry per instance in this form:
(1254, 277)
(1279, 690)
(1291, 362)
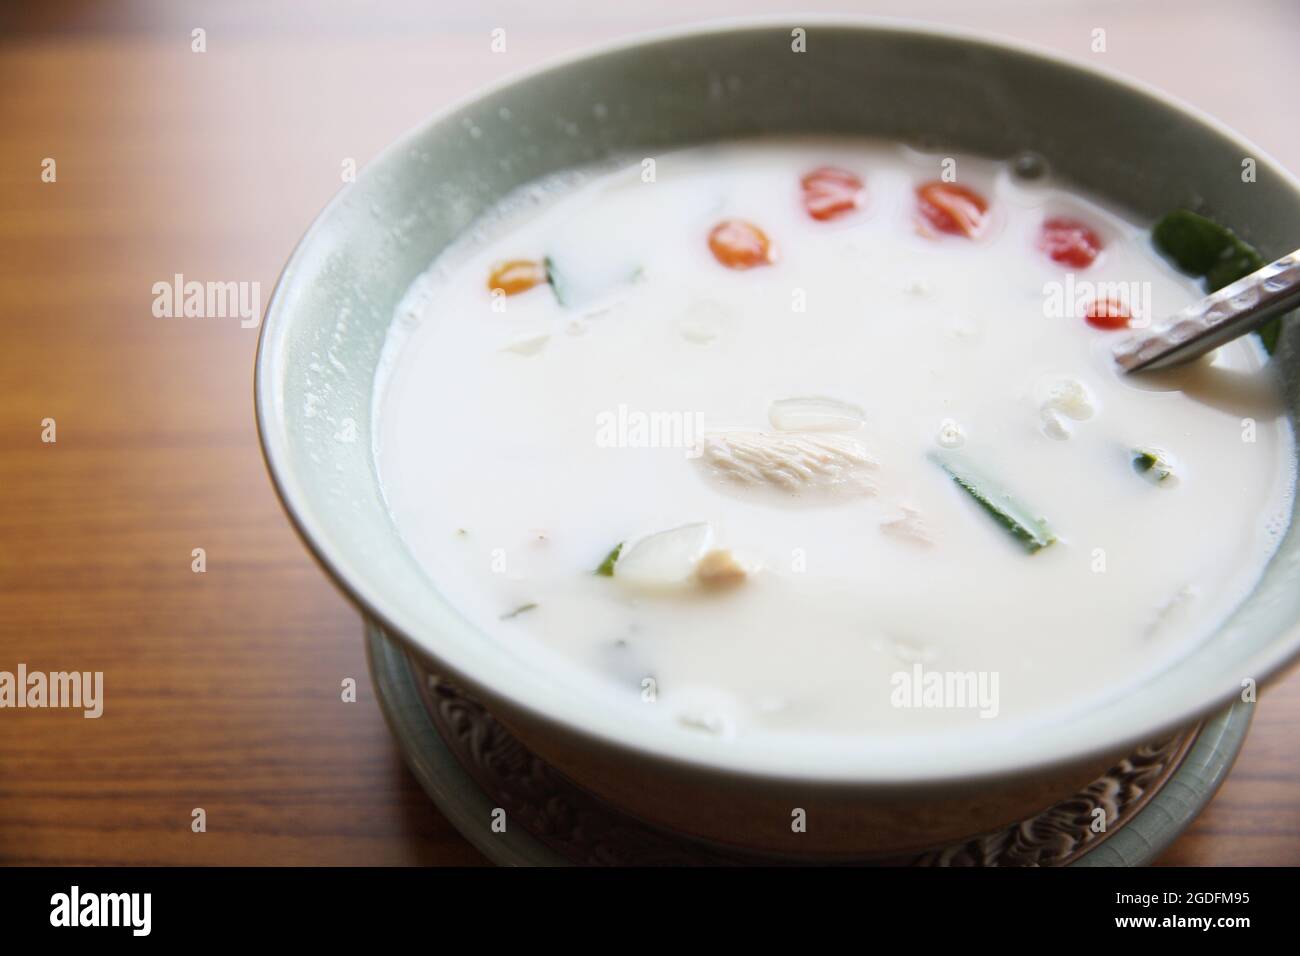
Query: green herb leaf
(517, 611)
(555, 280)
(1152, 465)
(1031, 531)
(606, 568)
(1268, 333)
(576, 287)
(1201, 247)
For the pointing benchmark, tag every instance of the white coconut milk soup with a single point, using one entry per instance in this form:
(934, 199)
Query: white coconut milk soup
(856, 427)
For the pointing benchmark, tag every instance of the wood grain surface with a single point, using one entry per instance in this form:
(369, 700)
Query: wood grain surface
(222, 688)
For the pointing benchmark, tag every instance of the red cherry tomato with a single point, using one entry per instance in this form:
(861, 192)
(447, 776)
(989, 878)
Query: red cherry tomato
(951, 208)
(740, 245)
(1069, 242)
(1107, 314)
(829, 192)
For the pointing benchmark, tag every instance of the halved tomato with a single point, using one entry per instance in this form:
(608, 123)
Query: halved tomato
(952, 209)
(516, 276)
(1069, 242)
(1108, 314)
(740, 245)
(829, 192)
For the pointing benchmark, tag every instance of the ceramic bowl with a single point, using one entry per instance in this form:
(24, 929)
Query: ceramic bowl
(937, 89)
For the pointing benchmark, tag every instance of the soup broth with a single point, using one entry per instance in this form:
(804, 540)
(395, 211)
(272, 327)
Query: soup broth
(827, 437)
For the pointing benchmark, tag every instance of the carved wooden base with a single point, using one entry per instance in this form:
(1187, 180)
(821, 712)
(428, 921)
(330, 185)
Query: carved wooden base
(583, 829)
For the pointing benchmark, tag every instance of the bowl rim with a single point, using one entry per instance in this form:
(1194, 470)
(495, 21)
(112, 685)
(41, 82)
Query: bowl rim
(1001, 759)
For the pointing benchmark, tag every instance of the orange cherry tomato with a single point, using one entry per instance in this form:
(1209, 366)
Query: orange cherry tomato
(1107, 314)
(829, 192)
(1069, 242)
(740, 245)
(516, 276)
(951, 208)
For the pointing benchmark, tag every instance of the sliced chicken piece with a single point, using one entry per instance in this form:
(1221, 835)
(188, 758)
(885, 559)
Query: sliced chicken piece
(790, 462)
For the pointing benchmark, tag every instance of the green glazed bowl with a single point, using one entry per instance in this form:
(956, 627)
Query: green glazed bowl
(934, 88)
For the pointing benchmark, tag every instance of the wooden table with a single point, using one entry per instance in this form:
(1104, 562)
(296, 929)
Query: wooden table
(222, 688)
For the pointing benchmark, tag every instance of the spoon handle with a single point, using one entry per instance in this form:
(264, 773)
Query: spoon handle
(1221, 316)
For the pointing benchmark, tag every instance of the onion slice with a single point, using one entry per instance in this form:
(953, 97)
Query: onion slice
(666, 559)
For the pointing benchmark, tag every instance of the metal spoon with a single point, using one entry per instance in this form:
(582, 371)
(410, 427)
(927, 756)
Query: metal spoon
(1221, 316)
